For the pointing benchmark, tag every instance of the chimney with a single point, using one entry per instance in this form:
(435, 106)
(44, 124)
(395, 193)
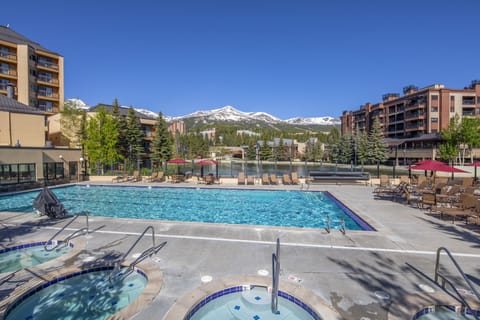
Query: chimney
(10, 90)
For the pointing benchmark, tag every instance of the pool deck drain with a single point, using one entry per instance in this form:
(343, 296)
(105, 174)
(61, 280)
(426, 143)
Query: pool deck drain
(345, 270)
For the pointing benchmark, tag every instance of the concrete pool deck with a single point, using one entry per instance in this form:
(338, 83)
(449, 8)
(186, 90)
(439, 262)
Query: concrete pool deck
(362, 275)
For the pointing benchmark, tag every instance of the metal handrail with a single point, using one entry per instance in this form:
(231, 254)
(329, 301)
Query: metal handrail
(343, 229)
(70, 236)
(138, 240)
(56, 234)
(445, 280)
(328, 224)
(118, 263)
(275, 277)
(145, 254)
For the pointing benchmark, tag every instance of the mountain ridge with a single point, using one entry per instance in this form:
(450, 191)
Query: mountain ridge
(230, 115)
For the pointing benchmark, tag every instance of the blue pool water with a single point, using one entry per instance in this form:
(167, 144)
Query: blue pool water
(253, 303)
(29, 255)
(254, 207)
(89, 295)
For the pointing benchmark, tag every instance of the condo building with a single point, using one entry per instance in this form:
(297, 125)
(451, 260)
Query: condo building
(30, 73)
(419, 111)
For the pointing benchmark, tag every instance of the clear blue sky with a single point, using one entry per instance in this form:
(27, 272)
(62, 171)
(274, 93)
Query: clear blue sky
(288, 58)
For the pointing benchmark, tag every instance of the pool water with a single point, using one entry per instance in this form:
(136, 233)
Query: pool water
(445, 313)
(88, 296)
(254, 207)
(250, 304)
(29, 255)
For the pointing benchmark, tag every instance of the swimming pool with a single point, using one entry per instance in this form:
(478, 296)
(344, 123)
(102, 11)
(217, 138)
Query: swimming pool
(231, 206)
(87, 294)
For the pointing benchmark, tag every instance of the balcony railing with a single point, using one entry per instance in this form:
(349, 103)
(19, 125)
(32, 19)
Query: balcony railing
(8, 56)
(47, 80)
(9, 72)
(47, 94)
(48, 65)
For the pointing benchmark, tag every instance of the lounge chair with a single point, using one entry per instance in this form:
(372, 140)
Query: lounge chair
(241, 178)
(286, 179)
(250, 180)
(384, 181)
(160, 177)
(265, 179)
(121, 178)
(273, 179)
(295, 178)
(136, 177)
(209, 179)
(152, 177)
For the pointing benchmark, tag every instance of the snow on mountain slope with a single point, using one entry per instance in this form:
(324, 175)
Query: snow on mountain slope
(229, 114)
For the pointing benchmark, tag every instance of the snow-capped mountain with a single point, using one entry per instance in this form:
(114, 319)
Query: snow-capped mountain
(229, 114)
(315, 120)
(77, 103)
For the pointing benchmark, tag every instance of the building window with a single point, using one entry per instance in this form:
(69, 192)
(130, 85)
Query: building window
(3, 84)
(452, 109)
(4, 52)
(478, 111)
(4, 68)
(434, 120)
(46, 106)
(478, 100)
(434, 109)
(434, 97)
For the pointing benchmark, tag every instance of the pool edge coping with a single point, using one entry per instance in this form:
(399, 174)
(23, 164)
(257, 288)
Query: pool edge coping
(182, 306)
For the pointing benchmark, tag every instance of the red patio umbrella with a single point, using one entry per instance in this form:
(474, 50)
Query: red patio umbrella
(434, 165)
(475, 164)
(207, 162)
(177, 161)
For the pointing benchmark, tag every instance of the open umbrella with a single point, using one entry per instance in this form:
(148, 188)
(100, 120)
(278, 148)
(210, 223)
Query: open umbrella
(177, 161)
(207, 162)
(475, 164)
(434, 165)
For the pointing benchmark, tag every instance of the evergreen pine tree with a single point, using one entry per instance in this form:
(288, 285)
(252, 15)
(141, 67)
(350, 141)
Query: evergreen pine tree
(134, 138)
(121, 124)
(377, 151)
(162, 142)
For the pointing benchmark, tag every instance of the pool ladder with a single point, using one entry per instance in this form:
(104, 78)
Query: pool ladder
(117, 273)
(74, 234)
(328, 227)
(275, 277)
(444, 280)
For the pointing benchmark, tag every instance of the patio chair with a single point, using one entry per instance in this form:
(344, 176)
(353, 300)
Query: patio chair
(265, 179)
(250, 180)
(428, 200)
(286, 179)
(295, 179)
(273, 179)
(121, 178)
(467, 208)
(241, 178)
(467, 182)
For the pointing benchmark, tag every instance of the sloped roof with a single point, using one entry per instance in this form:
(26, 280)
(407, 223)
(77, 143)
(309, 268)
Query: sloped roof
(12, 105)
(9, 35)
(122, 110)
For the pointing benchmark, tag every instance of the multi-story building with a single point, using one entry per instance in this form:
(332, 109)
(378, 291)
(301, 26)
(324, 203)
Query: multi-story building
(33, 72)
(417, 112)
